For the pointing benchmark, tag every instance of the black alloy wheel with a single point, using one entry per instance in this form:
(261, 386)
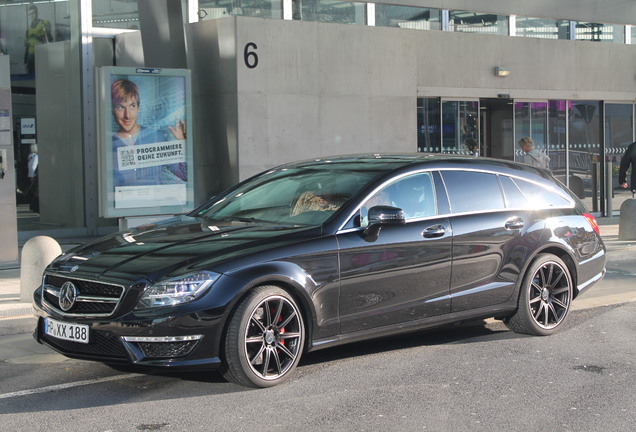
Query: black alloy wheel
(545, 297)
(265, 338)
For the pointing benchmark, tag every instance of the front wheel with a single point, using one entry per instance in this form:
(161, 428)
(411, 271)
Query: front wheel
(545, 297)
(264, 340)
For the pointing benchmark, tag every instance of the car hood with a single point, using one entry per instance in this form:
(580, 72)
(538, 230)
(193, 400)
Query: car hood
(174, 247)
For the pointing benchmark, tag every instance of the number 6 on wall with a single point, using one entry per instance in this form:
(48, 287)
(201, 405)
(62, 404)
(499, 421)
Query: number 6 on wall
(250, 56)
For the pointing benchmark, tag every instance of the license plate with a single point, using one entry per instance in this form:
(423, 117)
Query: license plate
(66, 331)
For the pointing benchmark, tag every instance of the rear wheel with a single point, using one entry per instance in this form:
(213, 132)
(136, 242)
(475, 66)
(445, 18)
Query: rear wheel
(264, 340)
(545, 297)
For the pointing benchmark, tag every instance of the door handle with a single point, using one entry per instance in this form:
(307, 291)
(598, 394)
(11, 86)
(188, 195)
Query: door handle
(514, 223)
(434, 231)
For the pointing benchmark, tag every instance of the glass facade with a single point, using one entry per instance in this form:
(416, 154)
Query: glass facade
(408, 17)
(599, 32)
(570, 133)
(542, 28)
(557, 138)
(213, 9)
(115, 14)
(329, 11)
(23, 26)
(471, 22)
(429, 127)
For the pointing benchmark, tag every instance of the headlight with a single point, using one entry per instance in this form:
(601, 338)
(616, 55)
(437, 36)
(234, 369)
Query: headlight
(177, 290)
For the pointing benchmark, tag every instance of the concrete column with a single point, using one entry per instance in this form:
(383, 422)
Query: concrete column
(162, 33)
(8, 220)
(627, 222)
(37, 253)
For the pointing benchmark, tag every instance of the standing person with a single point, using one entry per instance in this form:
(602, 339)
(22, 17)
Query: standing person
(629, 158)
(532, 156)
(125, 104)
(32, 172)
(38, 32)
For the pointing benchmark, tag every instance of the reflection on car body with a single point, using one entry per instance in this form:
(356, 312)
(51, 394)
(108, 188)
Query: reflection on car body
(305, 256)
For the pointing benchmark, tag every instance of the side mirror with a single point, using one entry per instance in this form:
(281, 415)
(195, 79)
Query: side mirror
(380, 216)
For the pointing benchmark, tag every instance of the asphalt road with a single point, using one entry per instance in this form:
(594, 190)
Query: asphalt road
(478, 376)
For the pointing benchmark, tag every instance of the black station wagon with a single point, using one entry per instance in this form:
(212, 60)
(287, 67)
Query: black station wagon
(319, 253)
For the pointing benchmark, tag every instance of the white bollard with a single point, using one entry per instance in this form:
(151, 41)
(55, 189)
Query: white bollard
(627, 222)
(37, 253)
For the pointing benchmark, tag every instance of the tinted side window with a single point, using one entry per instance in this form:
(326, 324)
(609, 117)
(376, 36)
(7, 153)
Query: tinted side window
(414, 194)
(540, 197)
(471, 191)
(514, 197)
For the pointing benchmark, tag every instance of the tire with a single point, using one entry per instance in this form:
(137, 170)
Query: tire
(544, 299)
(264, 339)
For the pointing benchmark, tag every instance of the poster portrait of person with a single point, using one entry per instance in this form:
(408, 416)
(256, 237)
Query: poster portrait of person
(126, 105)
(38, 32)
(147, 153)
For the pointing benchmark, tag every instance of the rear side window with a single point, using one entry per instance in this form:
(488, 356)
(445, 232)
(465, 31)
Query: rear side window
(541, 197)
(470, 191)
(514, 197)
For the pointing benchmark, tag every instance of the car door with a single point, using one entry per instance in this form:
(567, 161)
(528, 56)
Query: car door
(490, 241)
(403, 275)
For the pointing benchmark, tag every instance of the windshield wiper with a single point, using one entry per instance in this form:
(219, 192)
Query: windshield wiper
(241, 219)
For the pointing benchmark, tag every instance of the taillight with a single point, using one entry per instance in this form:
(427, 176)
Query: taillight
(592, 220)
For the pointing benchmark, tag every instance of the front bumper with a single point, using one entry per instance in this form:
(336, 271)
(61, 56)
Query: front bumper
(164, 338)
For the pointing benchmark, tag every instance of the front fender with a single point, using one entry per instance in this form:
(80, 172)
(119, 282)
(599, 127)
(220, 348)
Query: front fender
(316, 287)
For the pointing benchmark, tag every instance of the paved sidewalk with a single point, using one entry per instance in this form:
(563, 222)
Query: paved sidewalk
(17, 317)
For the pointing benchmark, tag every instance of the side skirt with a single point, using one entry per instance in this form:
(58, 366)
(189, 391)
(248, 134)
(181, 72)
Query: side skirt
(412, 326)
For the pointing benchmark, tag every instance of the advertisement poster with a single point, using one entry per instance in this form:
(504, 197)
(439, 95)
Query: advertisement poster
(146, 156)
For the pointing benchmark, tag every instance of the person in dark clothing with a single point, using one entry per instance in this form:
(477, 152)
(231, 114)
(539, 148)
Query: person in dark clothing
(629, 158)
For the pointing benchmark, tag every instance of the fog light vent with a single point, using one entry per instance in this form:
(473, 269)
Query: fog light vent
(165, 347)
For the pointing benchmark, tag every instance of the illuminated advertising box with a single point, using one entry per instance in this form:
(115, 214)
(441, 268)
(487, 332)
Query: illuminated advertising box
(145, 157)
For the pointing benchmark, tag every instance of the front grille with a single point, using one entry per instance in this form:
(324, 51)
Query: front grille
(90, 298)
(102, 344)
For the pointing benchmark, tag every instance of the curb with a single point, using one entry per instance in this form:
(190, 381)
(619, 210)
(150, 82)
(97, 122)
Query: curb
(17, 325)
(16, 310)
(627, 252)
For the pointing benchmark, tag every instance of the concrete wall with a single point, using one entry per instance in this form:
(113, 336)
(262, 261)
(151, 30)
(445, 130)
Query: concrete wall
(212, 58)
(59, 138)
(8, 222)
(320, 89)
(460, 64)
(60, 146)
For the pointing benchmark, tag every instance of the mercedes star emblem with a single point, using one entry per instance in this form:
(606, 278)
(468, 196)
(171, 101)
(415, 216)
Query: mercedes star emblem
(68, 295)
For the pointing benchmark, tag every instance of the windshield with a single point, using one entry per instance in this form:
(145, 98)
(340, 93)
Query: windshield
(305, 194)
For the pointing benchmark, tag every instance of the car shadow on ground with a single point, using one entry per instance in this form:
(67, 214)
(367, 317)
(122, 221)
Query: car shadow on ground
(466, 332)
(474, 331)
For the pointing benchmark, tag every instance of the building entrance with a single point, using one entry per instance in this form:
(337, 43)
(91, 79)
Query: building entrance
(497, 131)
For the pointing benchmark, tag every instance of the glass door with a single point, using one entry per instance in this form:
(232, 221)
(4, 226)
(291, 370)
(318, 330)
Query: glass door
(531, 121)
(460, 126)
(619, 134)
(585, 163)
